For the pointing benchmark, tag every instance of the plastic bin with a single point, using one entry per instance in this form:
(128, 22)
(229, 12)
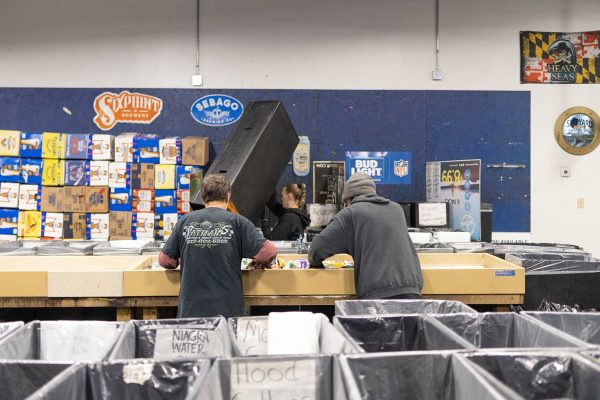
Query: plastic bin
(415, 376)
(583, 326)
(274, 377)
(504, 330)
(19, 379)
(60, 341)
(8, 327)
(546, 262)
(249, 336)
(374, 307)
(173, 339)
(139, 379)
(541, 375)
(398, 333)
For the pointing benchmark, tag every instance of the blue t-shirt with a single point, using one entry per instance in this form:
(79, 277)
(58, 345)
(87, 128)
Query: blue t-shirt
(210, 244)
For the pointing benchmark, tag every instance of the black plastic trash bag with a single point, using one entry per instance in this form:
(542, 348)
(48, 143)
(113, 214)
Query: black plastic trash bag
(373, 307)
(583, 326)
(19, 379)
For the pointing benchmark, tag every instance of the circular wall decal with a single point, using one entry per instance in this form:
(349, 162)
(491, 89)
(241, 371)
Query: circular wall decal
(576, 130)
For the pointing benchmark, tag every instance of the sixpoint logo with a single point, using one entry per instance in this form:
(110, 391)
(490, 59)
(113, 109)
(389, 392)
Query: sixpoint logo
(137, 108)
(217, 110)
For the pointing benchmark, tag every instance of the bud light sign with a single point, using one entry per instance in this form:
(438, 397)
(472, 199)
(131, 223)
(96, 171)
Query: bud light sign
(385, 168)
(217, 110)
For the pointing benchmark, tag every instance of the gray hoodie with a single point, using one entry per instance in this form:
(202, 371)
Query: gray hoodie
(373, 230)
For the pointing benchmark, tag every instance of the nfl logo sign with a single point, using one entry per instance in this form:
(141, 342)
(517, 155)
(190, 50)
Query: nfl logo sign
(400, 168)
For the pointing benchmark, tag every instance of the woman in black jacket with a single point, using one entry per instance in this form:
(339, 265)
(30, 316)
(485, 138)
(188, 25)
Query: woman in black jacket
(292, 218)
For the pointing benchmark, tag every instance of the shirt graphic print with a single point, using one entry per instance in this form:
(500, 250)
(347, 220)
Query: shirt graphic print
(207, 234)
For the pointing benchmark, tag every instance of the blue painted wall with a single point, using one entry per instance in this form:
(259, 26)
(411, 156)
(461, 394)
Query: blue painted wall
(432, 125)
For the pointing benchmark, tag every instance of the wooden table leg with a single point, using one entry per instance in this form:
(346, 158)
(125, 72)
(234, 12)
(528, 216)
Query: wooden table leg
(124, 314)
(150, 313)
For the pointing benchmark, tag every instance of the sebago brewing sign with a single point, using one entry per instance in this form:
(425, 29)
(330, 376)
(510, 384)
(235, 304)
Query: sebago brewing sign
(136, 108)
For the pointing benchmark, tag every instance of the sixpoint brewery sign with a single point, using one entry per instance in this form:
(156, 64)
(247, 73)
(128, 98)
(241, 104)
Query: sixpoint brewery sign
(217, 110)
(135, 108)
(385, 168)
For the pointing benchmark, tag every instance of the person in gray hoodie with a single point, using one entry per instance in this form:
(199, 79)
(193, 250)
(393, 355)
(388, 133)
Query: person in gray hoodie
(373, 230)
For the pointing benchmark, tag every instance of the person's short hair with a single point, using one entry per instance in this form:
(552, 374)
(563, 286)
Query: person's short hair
(215, 188)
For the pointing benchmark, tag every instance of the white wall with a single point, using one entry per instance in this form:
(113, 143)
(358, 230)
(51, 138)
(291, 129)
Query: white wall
(332, 44)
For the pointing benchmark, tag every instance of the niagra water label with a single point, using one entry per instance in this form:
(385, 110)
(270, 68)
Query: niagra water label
(217, 110)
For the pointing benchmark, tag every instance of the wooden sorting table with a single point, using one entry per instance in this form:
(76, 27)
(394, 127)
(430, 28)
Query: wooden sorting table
(67, 281)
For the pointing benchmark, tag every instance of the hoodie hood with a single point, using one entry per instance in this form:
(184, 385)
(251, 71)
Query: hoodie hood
(370, 198)
(304, 218)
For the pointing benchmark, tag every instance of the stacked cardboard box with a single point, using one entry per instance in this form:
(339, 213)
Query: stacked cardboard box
(95, 186)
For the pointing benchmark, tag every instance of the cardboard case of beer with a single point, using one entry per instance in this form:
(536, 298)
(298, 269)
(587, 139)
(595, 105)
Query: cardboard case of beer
(143, 201)
(120, 199)
(96, 173)
(184, 175)
(31, 171)
(102, 147)
(142, 176)
(30, 197)
(30, 224)
(9, 143)
(52, 225)
(194, 150)
(10, 169)
(53, 199)
(165, 201)
(9, 195)
(142, 226)
(164, 176)
(97, 226)
(78, 146)
(53, 145)
(119, 175)
(170, 150)
(120, 225)
(74, 199)
(74, 225)
(9, 221)
(31, 145)
(124, 147)
(75, 172)
(146, 149)
(183, 201)
(96, 199)
(163, 225)
(53, 173)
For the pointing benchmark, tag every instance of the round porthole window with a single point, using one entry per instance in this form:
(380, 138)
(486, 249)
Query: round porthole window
(576, 130)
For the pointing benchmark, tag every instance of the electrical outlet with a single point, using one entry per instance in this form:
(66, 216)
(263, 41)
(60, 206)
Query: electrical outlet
(196, 80)
(580, 202)
(565, 171)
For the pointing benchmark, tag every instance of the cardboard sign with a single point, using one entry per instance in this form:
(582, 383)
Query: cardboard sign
(120, 199)
(76, 340)
(119, 175)
(252, 336)
(53, 199)
(52, 225)
(186, 342)
(96, 199)
(31, 145)
(321, 214)
(10, 169)
(74, 199)
(9, 223)
(53, 145)
(31, 171)
(9, 143)
(97, 226)
(96, 173)
(273, 379)
(120, 225)
(143, 201)
(30, 197)
(9, 195)
(75, 172)
(164, 176)
(102, 147)
(30, 224)
(142, 176)
(53, 173)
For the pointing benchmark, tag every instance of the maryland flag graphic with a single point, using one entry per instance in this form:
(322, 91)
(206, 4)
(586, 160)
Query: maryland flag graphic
(554, 57)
